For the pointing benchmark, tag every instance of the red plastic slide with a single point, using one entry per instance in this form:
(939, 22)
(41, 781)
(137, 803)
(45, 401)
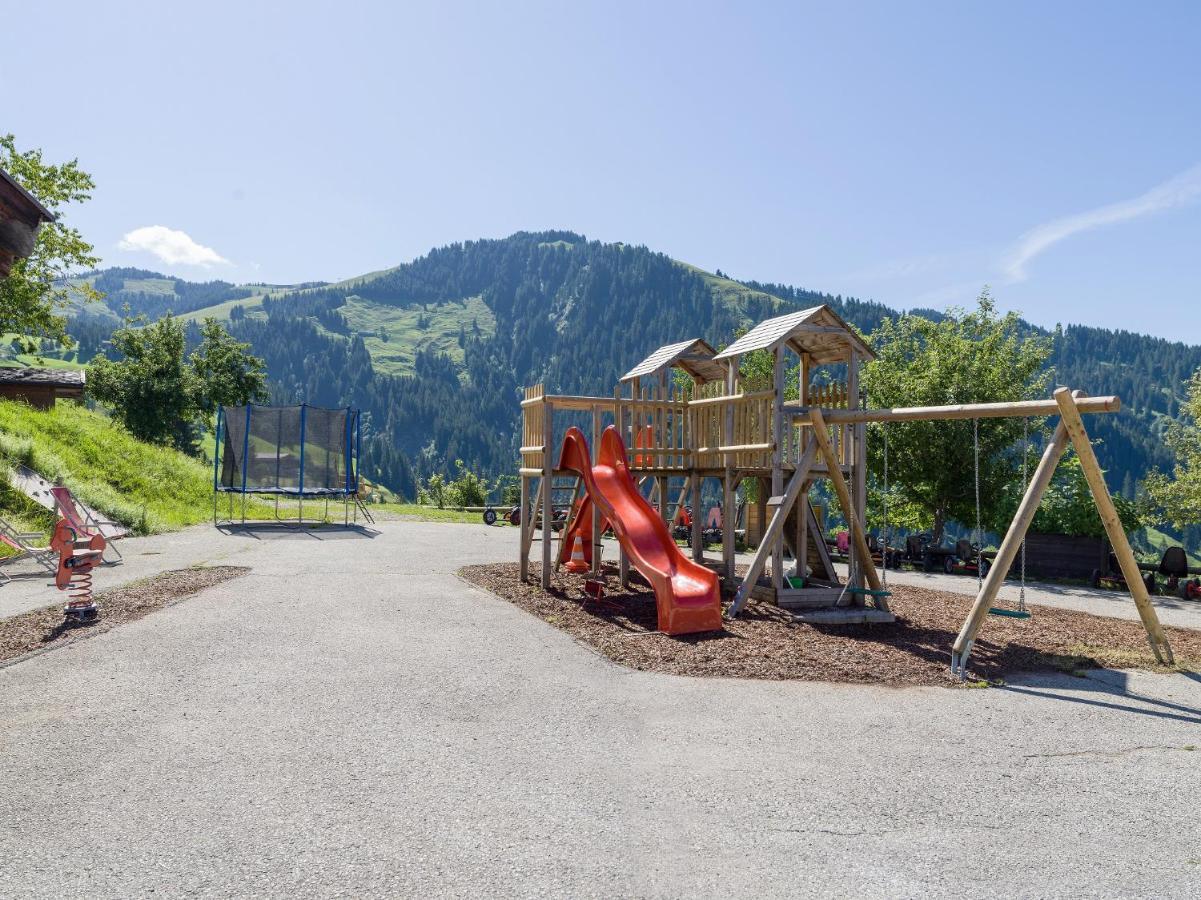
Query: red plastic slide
(686, 593)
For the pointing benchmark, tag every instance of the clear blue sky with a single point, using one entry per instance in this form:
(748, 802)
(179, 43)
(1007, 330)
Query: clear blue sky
(906, 154)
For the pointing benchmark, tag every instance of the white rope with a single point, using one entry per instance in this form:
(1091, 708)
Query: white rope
(979, 529)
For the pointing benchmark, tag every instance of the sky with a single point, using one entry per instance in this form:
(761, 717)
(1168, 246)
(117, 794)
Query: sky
(906, 153)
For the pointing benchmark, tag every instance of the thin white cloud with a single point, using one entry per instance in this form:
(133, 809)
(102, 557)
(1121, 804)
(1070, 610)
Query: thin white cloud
(1182, 190)
(171, 246)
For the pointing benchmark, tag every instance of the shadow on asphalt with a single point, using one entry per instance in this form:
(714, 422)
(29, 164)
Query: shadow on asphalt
(1114, 685)
(269, 531)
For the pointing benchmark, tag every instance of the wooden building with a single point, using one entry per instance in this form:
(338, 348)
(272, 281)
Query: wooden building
(40, 388)
(20, 217)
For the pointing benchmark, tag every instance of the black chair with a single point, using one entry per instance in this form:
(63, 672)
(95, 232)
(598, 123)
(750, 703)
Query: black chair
(1174, 563)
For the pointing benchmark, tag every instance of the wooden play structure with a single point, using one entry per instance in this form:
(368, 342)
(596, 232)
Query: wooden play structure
(684, 416)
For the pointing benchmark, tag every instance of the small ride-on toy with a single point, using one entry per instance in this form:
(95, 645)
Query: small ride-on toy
(965, 559)
(1115, 580)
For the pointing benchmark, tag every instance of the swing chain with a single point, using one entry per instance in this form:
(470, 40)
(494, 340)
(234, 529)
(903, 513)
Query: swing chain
(884, 548)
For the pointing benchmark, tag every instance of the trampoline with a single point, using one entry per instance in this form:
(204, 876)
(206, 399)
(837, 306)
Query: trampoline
(287, 452)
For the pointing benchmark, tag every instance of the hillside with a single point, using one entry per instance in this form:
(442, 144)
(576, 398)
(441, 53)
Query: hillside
(436, 350)
(146, 488)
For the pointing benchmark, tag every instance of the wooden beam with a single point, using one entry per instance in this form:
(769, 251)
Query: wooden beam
(1113, 526)
(1009, 548)
(774, 529)
(548, 514)
(527, 528)
(1020, 408)
(777, 463)
(867, 567)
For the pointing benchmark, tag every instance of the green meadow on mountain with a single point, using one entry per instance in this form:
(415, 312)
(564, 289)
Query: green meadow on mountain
(437, 350)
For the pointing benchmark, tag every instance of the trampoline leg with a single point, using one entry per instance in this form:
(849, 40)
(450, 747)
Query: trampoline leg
(300, 509)
(243, 509)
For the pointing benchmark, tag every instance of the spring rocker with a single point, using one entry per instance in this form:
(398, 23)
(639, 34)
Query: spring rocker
(77, 556)
(683, 415)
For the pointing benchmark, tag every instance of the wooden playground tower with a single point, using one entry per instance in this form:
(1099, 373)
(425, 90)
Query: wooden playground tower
(706, 425)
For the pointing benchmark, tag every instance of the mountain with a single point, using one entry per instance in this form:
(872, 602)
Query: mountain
(436, 351)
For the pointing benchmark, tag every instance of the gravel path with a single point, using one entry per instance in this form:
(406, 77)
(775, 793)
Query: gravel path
(351, 718)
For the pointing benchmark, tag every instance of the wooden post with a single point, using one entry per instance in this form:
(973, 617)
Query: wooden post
(855, 461)
(1008, 550)
(1113, 526)
(774, 530)
(777, 464)
(596, 531)
(694, 491)
(548, 484)
(527, 526)
(729, 511)
(619, 416)
(858, 540)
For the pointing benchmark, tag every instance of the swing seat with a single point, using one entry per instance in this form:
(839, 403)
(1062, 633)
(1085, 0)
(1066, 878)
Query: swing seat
(1009, 613)
(868, 591)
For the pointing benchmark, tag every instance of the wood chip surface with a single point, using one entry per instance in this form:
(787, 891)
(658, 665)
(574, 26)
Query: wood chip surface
(764, 642)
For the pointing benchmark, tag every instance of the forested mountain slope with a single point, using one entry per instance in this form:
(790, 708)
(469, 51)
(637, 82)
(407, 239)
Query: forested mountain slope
(437, 350)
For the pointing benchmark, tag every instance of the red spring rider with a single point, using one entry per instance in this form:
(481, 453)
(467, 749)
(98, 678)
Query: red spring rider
(76, 559)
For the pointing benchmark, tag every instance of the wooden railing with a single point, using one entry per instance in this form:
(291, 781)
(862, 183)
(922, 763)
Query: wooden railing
(707, 431)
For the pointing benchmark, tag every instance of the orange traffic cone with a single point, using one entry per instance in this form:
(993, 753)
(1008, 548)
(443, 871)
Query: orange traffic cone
(577, 563)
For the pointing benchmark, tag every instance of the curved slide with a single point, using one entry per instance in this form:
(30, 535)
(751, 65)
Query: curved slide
(686, 593)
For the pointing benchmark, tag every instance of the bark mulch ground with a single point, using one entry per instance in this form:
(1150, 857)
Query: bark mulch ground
(765, 642)
(41, 628)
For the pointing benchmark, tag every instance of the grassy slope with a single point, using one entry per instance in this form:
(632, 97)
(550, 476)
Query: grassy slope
(146, 487)
(735, 295)
(395, 355)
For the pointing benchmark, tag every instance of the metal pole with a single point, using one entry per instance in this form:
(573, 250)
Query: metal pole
(245, 461)
(216, 461)
(300, 477)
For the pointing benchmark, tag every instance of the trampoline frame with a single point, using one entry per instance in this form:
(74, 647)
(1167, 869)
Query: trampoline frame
(349, 495)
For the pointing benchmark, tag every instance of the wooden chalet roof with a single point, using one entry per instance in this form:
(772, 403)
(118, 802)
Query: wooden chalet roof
(693, 356)
(61, 378)
(818, 331)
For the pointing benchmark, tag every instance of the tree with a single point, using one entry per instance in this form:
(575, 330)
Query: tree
(966, 357)
(151, 390)
(226, 373)
(1176, 498)
(33, 294)
(159, 395)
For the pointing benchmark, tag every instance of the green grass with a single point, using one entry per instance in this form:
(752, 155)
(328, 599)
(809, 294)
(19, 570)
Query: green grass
(55, 359)
(735, 296)
(1157, 542)
(253, 305)
(147, 488)
(396, 355)
(423, 513)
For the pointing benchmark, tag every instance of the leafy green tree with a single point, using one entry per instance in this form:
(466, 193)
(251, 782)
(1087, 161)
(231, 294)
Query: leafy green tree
(33, 294)
(151, 390)
(158, 394)
(975, 356)
(468, 489)
(1067, 506)
(226, 373)
(1176, 498)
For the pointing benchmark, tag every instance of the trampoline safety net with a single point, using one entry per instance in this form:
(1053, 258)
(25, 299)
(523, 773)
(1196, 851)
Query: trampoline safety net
(303, 450)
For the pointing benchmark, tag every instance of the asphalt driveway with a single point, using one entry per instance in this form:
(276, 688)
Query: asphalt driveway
(353, 719)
